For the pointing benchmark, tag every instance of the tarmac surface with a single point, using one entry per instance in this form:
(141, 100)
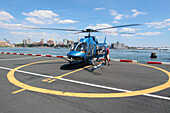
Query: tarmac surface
(30, 84)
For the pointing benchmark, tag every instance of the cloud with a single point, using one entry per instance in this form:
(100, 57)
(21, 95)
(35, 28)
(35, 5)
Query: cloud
(100, 8)
(45, 17)
(41, 14)
(127, 35)
(149, 33)
(167, 20)
(108, 31)
(117, 15)
(35, 21)
(115, 22)
(41, 17)
(9, 26)
(36, 34)
(98, 26)
(4, 16)
(129, 30)
(136, 13)
(168, 29)
(67, 21)
(160, 24)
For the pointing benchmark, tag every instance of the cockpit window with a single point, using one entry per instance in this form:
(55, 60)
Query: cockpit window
(82, 47)
(73, 46)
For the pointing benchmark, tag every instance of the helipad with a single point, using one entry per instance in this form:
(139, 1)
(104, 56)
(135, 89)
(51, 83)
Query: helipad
(145, 87)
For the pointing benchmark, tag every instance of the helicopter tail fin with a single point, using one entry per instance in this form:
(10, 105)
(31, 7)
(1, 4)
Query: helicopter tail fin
(105, 39)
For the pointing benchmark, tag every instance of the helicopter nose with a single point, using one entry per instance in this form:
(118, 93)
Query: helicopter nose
(75, 54)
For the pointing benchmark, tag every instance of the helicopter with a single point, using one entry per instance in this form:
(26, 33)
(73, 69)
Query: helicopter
(88, 47)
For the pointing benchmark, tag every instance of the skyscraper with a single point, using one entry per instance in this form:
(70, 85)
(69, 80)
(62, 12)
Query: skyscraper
(25, 41)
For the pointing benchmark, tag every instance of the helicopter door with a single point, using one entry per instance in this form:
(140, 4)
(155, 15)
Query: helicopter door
(92, 49)
(89, 51)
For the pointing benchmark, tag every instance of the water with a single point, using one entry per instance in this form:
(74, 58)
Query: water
(128, 54)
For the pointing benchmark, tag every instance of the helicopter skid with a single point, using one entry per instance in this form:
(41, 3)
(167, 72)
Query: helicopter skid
(97, 66)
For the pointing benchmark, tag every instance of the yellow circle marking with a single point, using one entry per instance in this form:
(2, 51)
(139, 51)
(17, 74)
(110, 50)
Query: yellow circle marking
(14, 81)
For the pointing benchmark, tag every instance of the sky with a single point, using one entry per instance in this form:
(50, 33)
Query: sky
(154, 15)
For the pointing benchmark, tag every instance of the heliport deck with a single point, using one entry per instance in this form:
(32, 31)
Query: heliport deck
(78, 89)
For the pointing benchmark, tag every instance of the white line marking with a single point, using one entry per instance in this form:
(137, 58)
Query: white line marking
(94, 85)
(31, 73)
(87, 84)
(17, 58)
(37, 74)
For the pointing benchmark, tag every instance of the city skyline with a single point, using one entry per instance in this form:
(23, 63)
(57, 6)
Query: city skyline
(41, 41)
(81, 14)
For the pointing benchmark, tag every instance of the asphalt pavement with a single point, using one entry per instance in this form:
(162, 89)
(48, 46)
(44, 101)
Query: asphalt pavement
(30, 84)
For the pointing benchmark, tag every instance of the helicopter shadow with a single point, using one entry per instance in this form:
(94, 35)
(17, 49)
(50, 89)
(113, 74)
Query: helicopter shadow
(78, 66)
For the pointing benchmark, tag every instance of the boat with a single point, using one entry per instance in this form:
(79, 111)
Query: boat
(164, 49)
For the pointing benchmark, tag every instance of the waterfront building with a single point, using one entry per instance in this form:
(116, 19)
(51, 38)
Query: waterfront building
(60, 43)
(4, 44)
(55, 43)
(118, 45)
(50, 41)
(69, 42)
(42, 40)
(65, 41)
(29, 41)
(25, 41)
(34, 42)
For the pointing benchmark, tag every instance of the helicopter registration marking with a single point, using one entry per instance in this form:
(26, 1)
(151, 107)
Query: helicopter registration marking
(14, 81)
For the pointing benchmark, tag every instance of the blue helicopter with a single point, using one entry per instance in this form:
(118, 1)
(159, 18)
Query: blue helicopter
(88, 47)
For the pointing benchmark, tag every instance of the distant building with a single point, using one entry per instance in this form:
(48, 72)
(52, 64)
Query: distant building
(34, 42)
(55, 43)
(65, 41)
(50, 41)
(42, 40)
(29, 41)
(70, 42)
(60, 43)
(4, 43)
(118, 45)
(25, 41)
(7, 40)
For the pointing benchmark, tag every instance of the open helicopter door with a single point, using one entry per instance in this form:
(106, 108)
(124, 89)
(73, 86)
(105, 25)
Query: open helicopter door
(101, 48)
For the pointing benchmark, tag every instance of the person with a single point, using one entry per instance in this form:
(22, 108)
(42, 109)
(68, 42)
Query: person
(106, 57)
(98, 52)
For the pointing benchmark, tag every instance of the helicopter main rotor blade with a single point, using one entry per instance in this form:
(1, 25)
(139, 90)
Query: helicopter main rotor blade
(50, 28)
(124, 33)
(115, 32)
(119, 26)
(78, 32)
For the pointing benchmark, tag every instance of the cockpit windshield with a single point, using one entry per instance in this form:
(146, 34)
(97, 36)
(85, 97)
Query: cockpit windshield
(73, 46)
(82, 47)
